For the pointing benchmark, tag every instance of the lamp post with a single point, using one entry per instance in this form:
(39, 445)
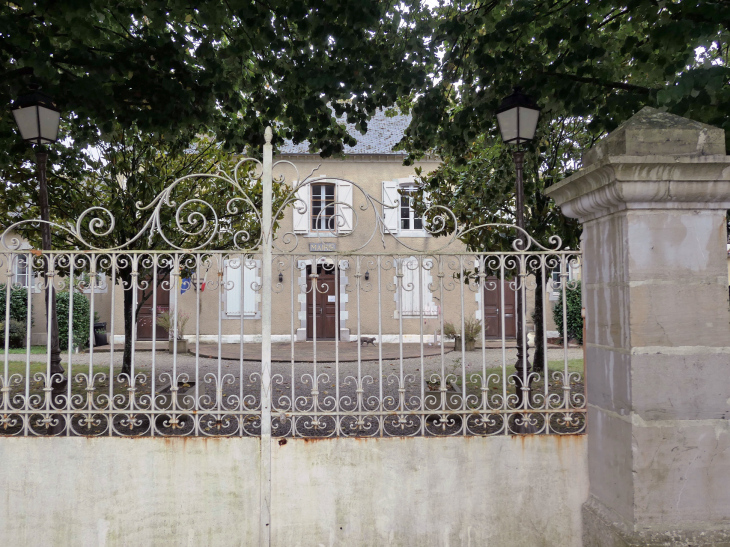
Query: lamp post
(37, 118)
(517, 118)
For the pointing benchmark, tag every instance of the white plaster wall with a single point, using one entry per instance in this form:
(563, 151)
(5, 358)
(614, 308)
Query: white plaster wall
(502, 491)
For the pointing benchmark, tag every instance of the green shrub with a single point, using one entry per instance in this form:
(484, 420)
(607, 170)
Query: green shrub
(472, 330)
(18, 303)
(81, 314)
(574, 305)
(17, 333)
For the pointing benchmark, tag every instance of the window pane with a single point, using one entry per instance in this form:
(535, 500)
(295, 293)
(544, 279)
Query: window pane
(405, 213)
(21, 271)
(323, 201)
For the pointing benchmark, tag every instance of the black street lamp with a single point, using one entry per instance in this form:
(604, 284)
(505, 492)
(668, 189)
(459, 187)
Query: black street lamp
(517, 118)
(38, 117)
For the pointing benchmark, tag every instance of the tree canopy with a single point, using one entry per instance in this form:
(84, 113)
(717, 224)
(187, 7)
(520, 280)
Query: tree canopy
(233, 66)
(595, 60)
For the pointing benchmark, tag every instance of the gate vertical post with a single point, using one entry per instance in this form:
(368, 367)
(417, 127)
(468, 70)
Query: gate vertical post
(652, 198)
(266, 265)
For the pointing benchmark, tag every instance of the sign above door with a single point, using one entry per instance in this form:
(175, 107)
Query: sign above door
(322, 247)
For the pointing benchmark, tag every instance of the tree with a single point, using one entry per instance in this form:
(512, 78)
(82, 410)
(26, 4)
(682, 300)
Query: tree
(590, 65)
(480, 190)
(127, 168)
(595, 60)
(233, 66)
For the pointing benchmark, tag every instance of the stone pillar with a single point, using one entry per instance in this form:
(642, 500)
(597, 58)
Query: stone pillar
(652, 198)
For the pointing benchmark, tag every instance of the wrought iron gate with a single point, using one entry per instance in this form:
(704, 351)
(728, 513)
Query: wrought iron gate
(256, 364)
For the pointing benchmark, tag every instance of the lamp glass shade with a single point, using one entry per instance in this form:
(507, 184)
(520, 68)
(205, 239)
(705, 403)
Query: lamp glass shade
(37, 118)
(517, 118)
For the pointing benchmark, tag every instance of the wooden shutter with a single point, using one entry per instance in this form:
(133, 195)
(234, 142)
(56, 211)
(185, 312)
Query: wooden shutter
(344, 207)
(392, 198)
(301, 220)
(240, 293)
(411, 287)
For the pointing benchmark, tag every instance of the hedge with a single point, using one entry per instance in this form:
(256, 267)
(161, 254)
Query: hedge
(81, 313)
(18, 333)
(18, 303)
(574, 305)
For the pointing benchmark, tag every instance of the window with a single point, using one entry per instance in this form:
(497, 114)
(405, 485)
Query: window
(100, 283)
(398, 215)
(242, 287)
(408, 218)
(21, 275)
(323, 207)
(556, 281)
(415, 292)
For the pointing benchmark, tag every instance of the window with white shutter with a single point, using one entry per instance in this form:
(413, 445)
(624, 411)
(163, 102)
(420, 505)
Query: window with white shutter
(241, 285)
(400, 218)
(416, 293)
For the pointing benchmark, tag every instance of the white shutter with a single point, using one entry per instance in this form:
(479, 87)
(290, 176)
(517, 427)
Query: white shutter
(301, 220)
(411, 287)
(241, 290)
(391, 197)
(429, 307)
(344, 209)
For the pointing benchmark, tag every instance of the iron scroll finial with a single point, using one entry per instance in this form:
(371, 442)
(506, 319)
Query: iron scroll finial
(268, 134)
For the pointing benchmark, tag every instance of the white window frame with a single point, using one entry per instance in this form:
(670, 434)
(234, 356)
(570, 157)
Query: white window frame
(302, 222)
(101, 286)
(392, 216)
(555, 281)
(251, 275)
(28, 272)
(331, 225)
(427, 305)
(16, 273)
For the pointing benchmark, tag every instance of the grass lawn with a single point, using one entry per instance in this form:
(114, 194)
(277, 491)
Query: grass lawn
(474, 379)
(33, 349)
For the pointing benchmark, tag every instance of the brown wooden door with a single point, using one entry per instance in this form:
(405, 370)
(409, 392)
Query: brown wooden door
(323, 304)
(493, 309)
(145, 318)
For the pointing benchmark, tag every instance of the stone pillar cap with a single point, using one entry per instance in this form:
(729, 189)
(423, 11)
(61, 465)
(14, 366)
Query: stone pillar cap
(655, 160)
(651, 132)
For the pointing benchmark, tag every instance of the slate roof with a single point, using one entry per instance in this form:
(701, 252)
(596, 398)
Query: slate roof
(382, 135)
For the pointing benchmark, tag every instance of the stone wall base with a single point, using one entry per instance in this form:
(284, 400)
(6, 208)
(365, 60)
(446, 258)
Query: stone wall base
(601, 528)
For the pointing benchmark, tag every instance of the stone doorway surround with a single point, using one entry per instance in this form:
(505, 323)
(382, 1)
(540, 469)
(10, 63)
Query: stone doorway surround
(344, 265)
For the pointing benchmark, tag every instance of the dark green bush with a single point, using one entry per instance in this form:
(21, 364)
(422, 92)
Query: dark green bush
(81, 313)
(574, 304)
(17, 333)
(18, 303)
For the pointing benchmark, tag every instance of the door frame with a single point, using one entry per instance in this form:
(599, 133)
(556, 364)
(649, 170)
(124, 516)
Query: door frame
(498, 292)
(140, 317)
(310, 296)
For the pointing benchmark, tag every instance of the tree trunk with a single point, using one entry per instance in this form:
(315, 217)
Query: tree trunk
(129, 323)
(539, 356)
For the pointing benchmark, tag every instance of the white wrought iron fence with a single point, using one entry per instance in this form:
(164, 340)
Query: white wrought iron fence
(288, 334)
